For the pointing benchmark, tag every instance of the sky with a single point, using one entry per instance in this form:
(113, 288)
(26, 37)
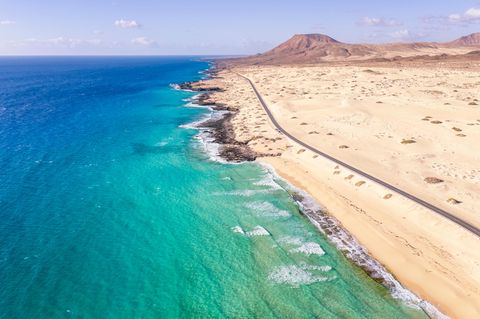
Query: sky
(214, 27)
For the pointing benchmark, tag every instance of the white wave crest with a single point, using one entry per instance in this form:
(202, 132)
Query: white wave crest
(308, 249)
(238, 229)
(175, 86)
(243, 193)
(258, 231)
(320, 268)
(295, 276)
(267, 209)
(269, 181)
(210, 148)
(291, 240)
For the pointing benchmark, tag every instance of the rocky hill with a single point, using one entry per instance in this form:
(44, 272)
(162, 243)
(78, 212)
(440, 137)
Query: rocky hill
(316, 48)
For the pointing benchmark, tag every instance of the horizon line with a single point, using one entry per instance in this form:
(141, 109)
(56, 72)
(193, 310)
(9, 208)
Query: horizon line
(122, 55)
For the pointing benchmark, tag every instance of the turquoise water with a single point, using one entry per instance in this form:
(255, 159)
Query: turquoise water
(109, 209)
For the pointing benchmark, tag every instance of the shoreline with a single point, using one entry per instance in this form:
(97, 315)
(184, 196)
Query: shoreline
(221, 132)
(219, 129)
(432, 257)
(351, 249)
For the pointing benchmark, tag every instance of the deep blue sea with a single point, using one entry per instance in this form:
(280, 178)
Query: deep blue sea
(109, 208)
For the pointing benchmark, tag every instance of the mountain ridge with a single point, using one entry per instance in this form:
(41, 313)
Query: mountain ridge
(316, 47)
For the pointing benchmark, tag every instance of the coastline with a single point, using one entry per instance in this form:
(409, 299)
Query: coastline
(221, 130)
(218, 126)
(433, 258)
(355, 252)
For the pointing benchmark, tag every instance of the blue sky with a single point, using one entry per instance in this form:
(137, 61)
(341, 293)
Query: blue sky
(220, 27)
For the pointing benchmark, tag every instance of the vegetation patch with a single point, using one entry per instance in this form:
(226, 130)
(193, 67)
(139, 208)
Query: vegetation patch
(453, 201)
(372, 72)
(433, 180)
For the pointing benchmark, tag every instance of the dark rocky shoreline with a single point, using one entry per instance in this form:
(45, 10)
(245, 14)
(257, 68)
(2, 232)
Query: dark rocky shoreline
(190, 86)
(220, 129)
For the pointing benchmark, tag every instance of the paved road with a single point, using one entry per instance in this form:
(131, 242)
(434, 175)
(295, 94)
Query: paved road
(417, 200)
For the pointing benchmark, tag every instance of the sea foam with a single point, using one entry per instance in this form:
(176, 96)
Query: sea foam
(346, 243)
(238, 229)
(308, 249)
(267, 180)
(267, 209)
(257, 231)
(296, 276)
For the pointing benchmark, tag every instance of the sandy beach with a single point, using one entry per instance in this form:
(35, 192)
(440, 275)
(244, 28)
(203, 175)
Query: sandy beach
(413, 127)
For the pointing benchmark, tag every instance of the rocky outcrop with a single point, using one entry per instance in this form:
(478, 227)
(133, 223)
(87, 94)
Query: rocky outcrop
(221, 129)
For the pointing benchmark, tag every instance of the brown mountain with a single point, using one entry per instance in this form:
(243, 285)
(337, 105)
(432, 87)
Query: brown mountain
(305, 41)
(315, 48)
(469, 40)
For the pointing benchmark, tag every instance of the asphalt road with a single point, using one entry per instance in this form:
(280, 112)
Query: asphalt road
(395, 189)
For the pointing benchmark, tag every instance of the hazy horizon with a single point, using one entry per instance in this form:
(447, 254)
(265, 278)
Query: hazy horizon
(189, 28)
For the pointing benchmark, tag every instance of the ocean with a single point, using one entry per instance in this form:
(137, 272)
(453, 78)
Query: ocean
(110, 207)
